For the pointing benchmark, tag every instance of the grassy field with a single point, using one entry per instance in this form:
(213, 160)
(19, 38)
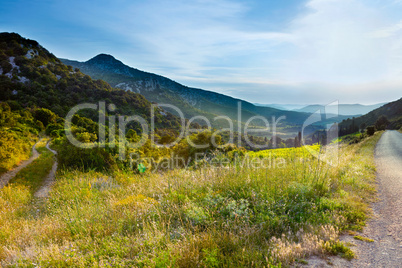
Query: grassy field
(241, 214)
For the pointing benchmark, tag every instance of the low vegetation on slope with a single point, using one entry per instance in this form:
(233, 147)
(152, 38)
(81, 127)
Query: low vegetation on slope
(391, 112)
(31, 177)
(192, 101)
(233, 214)
(32, 76)
(18, 129)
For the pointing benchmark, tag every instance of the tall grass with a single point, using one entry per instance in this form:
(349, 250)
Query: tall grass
(16, 201)
(231, 216)
(31, 177)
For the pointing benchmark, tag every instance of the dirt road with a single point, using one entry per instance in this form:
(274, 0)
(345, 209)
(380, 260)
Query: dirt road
(386, 226)
(43, 191)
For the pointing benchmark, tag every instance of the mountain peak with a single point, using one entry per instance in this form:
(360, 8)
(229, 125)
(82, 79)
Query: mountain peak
(103, 58)
(109, 63)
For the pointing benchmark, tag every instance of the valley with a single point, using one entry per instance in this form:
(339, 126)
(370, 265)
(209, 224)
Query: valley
(96, 172)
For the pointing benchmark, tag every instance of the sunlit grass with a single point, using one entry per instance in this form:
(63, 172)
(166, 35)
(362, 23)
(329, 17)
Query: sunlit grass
(362, 238)
(14, 149)
(233, 216)
(32, 176)
(16, 203)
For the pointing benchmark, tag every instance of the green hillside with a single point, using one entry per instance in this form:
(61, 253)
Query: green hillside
(159, 89)
(34, 77)
(392, 111)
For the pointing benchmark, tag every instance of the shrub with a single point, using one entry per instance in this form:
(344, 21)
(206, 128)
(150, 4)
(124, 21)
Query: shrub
(54, 130)
(13, 148)
(381, 123)
(45, 116)
(96, 158)
(370, 130)
(205, 141)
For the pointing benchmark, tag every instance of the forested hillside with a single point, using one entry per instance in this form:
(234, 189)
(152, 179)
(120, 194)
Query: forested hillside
(34, 77)
(391, 113)
(36, 93)
(192, 101)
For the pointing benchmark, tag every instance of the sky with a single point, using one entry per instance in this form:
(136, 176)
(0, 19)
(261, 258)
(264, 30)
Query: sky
(271, 51)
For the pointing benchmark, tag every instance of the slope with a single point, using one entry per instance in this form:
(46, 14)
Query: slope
(33, 77)
(344, 109)
(392, 110)
(159, 89)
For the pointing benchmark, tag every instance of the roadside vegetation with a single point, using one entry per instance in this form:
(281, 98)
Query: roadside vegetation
(30, 178)
(233, 214)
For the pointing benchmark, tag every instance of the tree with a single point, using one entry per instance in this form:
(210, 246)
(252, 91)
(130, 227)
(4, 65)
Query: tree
(381, 123)
(363, 126)
(299, 139)
(45, 116)
(289, 142)
(370, 130)
(132, 136)
(275, 141)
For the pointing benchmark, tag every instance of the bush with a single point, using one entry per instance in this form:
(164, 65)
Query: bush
(381, 123)
(14, 147)
(45, 116)
(370, 130)
(96, 158)
(54, 130)
(205, 140)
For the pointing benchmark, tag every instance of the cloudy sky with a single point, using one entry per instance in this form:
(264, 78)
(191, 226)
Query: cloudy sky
(273, 51)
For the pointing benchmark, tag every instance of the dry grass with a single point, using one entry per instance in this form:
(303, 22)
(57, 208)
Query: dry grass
(211, 217)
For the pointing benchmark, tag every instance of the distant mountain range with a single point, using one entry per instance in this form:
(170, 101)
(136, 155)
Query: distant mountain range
(33, 77)
(162, 90)
(343, 109)
(191, 101)
(288, 107)
(392, 110)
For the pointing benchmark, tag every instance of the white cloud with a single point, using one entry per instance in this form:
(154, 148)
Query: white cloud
(387, 32)
(345, 43)
(334, 43)
(334, 47)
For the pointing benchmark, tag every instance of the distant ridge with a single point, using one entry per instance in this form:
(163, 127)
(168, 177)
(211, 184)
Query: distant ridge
(344, 109)
(392, 110)
(32, 76)
(159, 89)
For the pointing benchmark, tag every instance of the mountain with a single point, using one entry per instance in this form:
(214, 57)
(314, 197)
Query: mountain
(392, 111)
(33, 77)
(192, 101)
(288, 107)
(343, 109)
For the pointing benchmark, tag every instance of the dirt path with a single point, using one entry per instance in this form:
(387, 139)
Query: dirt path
(6, 177)
(43, 191)
(385, 228)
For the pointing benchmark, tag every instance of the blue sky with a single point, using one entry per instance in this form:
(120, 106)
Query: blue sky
(271, 51)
